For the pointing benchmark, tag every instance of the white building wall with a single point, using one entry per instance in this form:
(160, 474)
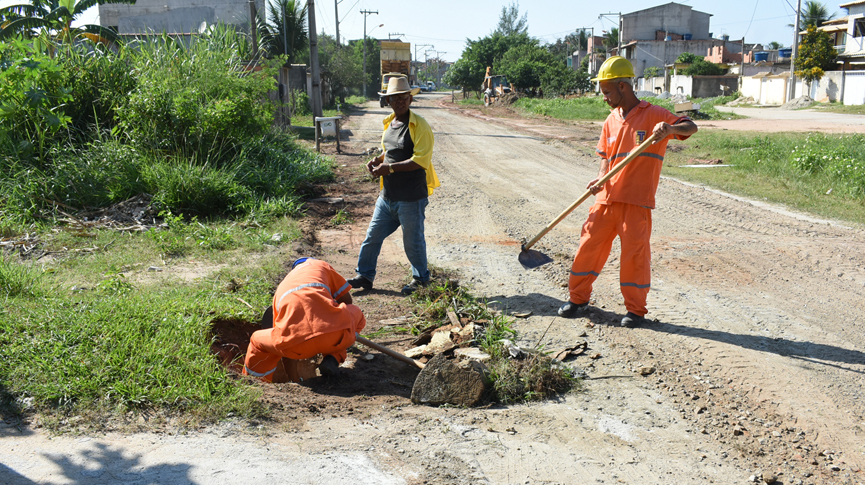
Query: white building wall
(681, 84)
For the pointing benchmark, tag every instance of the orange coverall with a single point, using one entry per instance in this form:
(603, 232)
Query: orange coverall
(623, 207)
(307, 320)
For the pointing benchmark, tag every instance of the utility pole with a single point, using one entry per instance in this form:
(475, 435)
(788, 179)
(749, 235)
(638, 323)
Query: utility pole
(336, 14)
(591, 52)
(792, 93)
(619, 14)
(313, 56)
(365, 14)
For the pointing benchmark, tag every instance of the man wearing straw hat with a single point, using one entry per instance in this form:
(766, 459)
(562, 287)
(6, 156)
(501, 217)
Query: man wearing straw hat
(407, 180)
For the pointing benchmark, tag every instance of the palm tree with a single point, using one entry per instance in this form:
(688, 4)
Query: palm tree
(815, 13)
(284, 31)
(611, 38)
(53, 18)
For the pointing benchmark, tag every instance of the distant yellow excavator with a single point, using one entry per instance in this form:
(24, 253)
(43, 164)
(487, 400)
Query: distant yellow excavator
(495, 86)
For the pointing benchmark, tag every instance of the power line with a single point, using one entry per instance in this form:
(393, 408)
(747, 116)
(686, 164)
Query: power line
(757, 2)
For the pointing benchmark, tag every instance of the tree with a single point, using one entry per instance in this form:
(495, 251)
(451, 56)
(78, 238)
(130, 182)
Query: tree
(373, 63)
(489, 50)
(611, 38)
(524, 65)
(775, 45)
(510, 22)
(651, 71)
(816, 55)
(687, 58)
(285, 31)
(702, 67)
(53, 20)
(466, 74)
(340, 67)
(815, 13)
(564, 48)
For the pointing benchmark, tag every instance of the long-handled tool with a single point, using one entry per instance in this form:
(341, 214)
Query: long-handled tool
(531, 258)
(385, 350)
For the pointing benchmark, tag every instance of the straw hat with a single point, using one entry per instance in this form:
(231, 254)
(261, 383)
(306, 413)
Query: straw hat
(399, 85)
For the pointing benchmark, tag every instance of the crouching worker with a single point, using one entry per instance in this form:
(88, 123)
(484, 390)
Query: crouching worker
(312, 314)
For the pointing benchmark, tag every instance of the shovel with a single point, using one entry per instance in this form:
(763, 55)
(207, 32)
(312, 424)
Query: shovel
(531, 258)
(385, 350)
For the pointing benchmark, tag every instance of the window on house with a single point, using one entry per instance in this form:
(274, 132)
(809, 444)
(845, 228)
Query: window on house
(859, 27)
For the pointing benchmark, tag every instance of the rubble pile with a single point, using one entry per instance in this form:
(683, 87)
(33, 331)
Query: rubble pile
(800, 102)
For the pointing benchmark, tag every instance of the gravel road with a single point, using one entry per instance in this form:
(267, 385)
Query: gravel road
(754, 361)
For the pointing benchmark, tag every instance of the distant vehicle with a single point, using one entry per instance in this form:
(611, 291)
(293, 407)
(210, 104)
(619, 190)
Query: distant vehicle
(430, 86)
(495, 86)
(395, 61)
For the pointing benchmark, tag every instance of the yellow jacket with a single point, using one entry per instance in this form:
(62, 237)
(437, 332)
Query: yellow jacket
(423, 139)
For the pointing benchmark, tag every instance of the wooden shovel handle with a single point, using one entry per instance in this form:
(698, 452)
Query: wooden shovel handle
(385, 350)
(616, 169)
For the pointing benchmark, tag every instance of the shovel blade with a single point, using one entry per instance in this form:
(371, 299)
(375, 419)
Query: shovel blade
(530, 258)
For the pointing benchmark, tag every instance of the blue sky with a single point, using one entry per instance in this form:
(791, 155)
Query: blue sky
(445, 24)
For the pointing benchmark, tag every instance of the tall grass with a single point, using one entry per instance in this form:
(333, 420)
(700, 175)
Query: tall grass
(820, 173)
(186, 124)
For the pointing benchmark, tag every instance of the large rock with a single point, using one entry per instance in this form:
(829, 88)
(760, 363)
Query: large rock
(461, 382)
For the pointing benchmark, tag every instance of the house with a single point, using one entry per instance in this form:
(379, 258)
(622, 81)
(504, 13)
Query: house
(852, 47)
(656, 36)
(174, 16)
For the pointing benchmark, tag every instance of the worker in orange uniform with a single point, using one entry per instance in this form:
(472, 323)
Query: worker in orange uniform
(312, 314)
(624, 204)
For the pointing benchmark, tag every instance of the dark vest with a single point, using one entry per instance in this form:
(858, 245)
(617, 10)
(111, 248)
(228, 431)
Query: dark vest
(402, 186)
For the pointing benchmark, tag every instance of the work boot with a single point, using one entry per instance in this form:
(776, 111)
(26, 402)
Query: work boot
(632, 320)
(360, 283)
(329, 367)
(413, 286)
(571, 310)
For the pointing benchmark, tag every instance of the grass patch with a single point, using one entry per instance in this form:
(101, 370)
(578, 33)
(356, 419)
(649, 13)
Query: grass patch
(341, 217)
(822, 174)
(98, 335)
(594, 107)
(533, 377)
(472, 101)
(852, 109)
(307, 119)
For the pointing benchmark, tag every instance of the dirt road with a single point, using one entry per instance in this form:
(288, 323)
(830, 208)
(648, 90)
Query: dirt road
(757, 347)
(788, 120)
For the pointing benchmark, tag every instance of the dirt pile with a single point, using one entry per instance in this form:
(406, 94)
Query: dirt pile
(800, 102)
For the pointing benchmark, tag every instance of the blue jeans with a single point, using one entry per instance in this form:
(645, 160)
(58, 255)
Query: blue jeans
(387, 217)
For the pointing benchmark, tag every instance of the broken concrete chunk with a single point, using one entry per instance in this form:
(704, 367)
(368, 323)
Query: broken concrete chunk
(573, 351)
(451, 381)
(473, 353)
(394, 321)
(415, 352)
(441, 342)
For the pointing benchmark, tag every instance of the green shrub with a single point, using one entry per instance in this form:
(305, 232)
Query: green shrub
(32, 94)
(200, 102)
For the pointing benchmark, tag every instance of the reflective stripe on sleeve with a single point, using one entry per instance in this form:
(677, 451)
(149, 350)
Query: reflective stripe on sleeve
(635, 285)
(258, 374)
(650, 155)
(307, 285)
(341, 289)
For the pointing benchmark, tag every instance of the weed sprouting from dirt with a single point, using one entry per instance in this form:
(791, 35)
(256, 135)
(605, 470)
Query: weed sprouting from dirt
(531, 377)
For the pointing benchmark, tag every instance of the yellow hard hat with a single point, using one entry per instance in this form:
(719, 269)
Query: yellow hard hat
(615, 67)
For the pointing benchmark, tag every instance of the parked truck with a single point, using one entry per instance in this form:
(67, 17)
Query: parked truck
(395, 61)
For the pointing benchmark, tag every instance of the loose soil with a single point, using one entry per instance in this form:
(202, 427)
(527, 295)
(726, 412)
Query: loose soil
(752, 365)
